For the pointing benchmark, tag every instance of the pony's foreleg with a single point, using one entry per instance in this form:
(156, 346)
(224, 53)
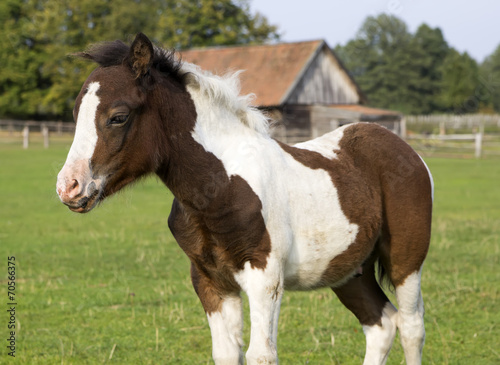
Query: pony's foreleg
(265, 290)
(225, 318)
(226, 328)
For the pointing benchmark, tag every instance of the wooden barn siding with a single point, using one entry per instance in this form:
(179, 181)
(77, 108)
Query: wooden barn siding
(324, 82)
(324, 119)
(292, 123)
(297, 122)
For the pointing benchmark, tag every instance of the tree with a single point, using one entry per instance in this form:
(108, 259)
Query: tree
(460, 82)
(38, 80)
(416, 74)
(197, 23)
(489, 91)
(380, 59)
(429, 50)
(19, 74)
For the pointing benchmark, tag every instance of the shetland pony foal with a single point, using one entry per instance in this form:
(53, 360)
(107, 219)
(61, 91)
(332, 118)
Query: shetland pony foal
(252, 213)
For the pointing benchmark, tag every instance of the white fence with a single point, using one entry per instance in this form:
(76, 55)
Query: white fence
(452, 145)
(13, 127)
(462, 136)
(472, 122)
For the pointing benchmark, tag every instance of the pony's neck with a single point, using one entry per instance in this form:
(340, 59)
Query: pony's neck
(211, 121)
(188, 169)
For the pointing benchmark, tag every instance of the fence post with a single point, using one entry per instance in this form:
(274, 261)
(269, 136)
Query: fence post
(402, 129)
(26, 136)
(479, 140)
(45, 134)
(442, 128)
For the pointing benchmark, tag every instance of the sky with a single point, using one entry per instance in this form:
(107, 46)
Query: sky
(468, 26)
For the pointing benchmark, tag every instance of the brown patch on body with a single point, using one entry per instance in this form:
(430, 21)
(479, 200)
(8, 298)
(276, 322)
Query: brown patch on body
(360, 202)
(220, 239)
(384, 188)
(406, 193)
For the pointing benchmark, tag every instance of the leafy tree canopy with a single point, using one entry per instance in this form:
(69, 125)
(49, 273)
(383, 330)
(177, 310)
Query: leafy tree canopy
(489, 79)
(415, 73)
(38, 80)
(418, 73)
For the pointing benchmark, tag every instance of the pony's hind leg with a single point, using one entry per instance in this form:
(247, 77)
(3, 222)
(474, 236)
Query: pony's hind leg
(411, 318)
(402, 256)
(365, 299)
(406, 233)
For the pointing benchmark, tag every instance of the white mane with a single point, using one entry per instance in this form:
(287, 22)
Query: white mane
(225, 91)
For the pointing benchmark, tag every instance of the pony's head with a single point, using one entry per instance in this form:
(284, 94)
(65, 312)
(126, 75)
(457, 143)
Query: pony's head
(119, 136)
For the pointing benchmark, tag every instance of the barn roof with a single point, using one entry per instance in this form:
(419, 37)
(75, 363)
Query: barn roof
(271, 71)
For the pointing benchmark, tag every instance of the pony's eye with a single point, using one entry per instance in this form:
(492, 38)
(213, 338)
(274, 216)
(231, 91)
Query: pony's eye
(118, 120)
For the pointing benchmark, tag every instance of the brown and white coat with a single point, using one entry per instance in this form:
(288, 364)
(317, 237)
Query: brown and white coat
(251, 213)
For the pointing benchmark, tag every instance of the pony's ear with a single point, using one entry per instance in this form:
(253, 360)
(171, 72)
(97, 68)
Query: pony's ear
(140, 57)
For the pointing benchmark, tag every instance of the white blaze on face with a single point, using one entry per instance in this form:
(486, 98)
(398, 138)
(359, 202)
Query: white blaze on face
(85, 135)
(76, 166)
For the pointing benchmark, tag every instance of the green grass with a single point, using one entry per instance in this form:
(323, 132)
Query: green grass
(114, 282)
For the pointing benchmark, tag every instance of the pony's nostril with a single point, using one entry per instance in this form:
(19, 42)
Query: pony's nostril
(72, 187)
(74, 184)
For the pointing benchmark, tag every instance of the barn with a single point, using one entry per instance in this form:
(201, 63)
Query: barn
(303, 86)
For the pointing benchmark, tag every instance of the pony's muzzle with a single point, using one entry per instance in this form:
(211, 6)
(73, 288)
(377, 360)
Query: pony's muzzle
(76, 187)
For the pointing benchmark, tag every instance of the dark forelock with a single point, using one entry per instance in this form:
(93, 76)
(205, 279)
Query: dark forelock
(115, 53)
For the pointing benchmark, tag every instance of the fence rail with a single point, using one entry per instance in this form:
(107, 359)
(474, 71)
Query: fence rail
(59, 127)
(444, 122)
(463, 136)
(456, 145)
(13, 127)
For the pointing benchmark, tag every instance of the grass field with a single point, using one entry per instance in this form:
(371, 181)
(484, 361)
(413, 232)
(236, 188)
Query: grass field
(113, 286)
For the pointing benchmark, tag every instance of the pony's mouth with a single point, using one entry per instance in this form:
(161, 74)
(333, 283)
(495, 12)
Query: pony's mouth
(85, 204)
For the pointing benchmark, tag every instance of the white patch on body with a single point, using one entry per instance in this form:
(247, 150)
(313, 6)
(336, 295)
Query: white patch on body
(301, 205)
(326, 144)
(379, 339)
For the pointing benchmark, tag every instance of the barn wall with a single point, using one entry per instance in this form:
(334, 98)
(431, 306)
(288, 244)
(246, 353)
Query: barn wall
(325, 119)
(324, 82)
(299, 123)
(291, 123)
